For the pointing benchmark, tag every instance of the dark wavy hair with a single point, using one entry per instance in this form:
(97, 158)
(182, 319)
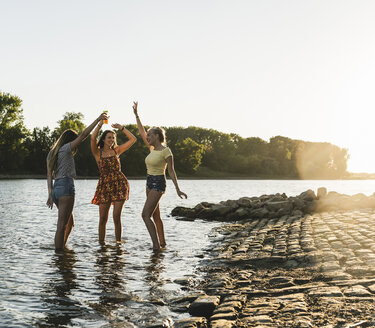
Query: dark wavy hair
(100, 143)
(67, 136)
(161, 133)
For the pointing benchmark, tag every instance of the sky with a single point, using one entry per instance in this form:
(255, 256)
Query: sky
(299, 69)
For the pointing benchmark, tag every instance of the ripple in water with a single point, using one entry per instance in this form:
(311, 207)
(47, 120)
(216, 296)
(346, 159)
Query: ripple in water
(110, 285)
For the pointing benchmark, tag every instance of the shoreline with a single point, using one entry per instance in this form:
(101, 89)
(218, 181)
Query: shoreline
(42, 177)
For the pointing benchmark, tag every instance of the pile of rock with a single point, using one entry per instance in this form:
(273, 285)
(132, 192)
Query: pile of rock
(274, 206)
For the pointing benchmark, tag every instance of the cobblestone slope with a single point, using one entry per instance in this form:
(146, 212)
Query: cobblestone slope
(312, 271)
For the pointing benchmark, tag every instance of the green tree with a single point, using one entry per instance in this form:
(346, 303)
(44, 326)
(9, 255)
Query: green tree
(38, 145)
(280, 149)
(188, 155)
(12, 134)
(70, 120)
(321, 160)
(133, 160)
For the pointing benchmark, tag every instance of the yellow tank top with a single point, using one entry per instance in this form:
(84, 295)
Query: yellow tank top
(156, 161)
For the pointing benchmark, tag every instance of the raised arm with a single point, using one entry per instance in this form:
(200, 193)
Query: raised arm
(94, 136)
(74, 144)
(132, 139)
(141, 129)
(172, 174)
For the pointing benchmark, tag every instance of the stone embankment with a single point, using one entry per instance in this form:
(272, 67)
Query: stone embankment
(275, 206)
(315, 269)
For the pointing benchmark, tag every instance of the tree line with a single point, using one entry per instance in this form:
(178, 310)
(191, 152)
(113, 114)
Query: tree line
(198, 152)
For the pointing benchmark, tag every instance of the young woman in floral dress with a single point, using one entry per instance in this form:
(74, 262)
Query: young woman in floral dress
(113, 187)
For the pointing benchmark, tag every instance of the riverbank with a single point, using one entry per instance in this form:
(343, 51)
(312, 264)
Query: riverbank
(317, 270)
(183, 177)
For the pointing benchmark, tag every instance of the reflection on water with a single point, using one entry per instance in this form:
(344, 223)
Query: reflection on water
(57, 292)
(109, 277)
(154, 268)
(110, 285)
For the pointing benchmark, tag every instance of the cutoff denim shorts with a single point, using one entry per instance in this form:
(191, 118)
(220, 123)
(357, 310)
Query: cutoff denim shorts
(62, 187)
(156, 182)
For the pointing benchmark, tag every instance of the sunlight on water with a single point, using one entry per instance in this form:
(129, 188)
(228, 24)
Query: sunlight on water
(94, 285)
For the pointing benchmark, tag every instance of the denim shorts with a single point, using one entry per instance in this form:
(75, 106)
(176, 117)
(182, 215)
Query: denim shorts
(156, 182)
(62, 187)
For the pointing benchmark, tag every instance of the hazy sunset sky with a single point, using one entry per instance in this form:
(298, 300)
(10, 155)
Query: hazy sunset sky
(300, 69)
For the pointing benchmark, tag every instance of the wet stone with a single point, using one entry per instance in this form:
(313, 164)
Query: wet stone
(294, 307)
(292, 297)
(204, 306)
(226, 316)
(224, 309)
(303, 323)
(280, 280)
(236, 305)
(251, 292)
(242, 283)
(260, 319)
(222, 323)
(337, 276)
(325, 292)
(198, 322)
(372, 288)
(359, 271)
(291, 264)
(239, 298)
(357, 291)
(184, 281)
(330, 266)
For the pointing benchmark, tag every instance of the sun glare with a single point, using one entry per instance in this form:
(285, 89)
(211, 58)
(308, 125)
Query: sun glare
(355, 132)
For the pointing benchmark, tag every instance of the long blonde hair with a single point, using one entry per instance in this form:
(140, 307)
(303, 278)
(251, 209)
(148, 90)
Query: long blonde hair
(67, 136)
(161, 133)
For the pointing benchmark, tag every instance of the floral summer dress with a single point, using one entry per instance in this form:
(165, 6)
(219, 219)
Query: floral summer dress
(112, 185)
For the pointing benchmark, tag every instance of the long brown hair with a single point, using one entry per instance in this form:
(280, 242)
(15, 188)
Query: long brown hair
(100, 143)
(67, 136)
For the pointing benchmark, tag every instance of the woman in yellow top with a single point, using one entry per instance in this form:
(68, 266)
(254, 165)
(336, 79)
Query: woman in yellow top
(156, 162)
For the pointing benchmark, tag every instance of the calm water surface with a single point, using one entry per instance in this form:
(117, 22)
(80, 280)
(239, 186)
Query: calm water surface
(111, 285)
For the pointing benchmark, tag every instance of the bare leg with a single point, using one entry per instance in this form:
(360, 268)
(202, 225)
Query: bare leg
(152, 201)
(117, 209)
(103, 218)
(159, 226)
(69, 228)
(65, 207)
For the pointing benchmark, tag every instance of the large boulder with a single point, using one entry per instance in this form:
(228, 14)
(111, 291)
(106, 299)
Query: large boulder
(232, 203)
(241, 213)
(244, 202)
(310, 207)
(322, 192)
(276, 206)
(298, 203)
(182, 211)
(308, 195)
(221, 210)
(259, 212)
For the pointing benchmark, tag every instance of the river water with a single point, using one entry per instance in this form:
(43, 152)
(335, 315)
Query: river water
(111, 285)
